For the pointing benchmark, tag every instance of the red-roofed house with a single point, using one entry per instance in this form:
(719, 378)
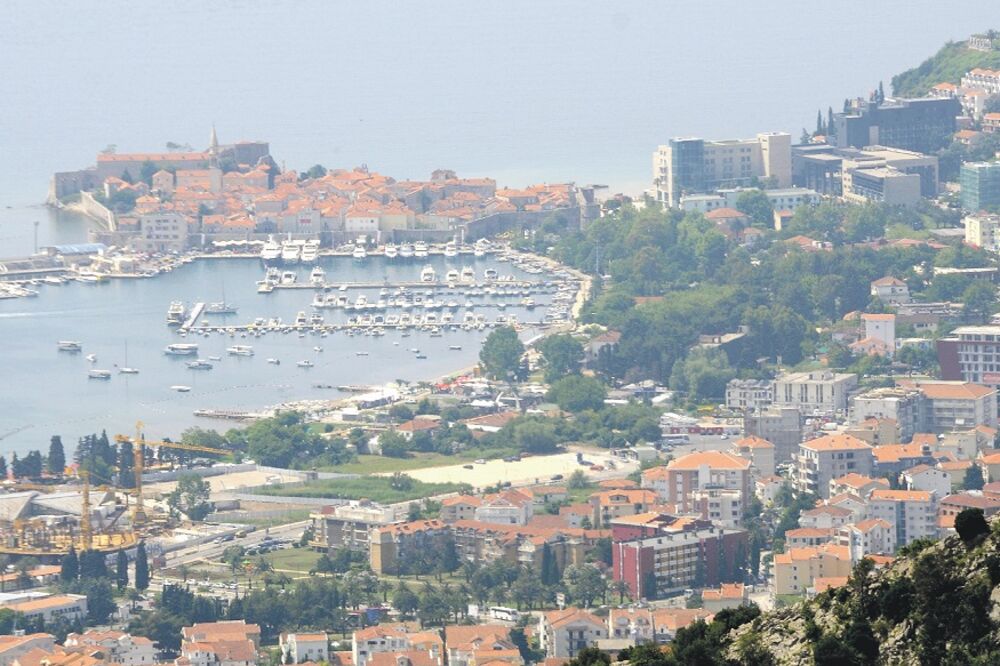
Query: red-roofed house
(825, 458)
(564, 633)
(912, 513)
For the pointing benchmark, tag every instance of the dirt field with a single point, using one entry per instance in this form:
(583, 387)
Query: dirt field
(536, 469)
(224, 482)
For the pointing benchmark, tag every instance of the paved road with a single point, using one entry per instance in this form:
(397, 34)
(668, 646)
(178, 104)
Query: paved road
(212, 551)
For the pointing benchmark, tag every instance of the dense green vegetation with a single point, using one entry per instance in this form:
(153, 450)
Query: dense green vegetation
(383, 489)
(947, 65)
(788, 300)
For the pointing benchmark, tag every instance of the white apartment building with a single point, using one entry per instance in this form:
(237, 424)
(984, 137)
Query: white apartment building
(720, 505)
(912, 513)
(380, 638)
(691, 165)
(118, 647)
(874, 536)
(833, 456)
(563, 633)
(815, 392)
(983, 230)
(890, 291)
(749, 394)
(296, 648)
(677, 482)
(787, 198)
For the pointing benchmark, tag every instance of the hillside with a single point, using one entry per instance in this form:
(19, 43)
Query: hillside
(938, 605)
(947, 65)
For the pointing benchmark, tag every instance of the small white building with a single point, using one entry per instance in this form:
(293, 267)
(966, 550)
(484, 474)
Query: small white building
(890, 291)
(296, 648)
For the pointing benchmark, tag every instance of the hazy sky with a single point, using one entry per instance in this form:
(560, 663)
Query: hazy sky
(521, 89)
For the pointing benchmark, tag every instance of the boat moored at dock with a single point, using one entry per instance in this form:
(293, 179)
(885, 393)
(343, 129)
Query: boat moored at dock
(181, 349)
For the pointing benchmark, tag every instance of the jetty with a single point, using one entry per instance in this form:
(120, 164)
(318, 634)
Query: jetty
(193, 317)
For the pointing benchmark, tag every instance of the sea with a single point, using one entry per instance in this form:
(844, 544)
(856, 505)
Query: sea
(521, 91)
(123, 323)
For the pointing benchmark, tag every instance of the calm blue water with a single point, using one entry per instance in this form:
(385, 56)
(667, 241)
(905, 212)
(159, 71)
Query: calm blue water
(47, 392)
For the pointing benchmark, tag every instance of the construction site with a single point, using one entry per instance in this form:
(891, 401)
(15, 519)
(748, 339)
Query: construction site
(44, 521)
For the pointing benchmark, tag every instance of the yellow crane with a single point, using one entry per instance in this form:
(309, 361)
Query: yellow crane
(139, 512)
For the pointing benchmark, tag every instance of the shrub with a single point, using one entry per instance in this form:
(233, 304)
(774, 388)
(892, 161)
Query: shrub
(970, 525)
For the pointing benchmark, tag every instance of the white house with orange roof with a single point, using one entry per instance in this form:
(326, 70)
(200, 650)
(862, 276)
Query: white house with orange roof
(825, 516)
(826, 458)
(853, 503)
(118, 647)
(511, 507)
(379, 638)
(631, 623)
(299, 647)
(563, 633)
(69, 607)
(795, 570)
(667, 621)
(219, 653)
(459, 507)
(802, 537)
(727, 595)
(990, 464)
(610, 504)
(12, 647)
(866, 537)
(759, 452)
(468, 645)
(912, 513)
(925, 477)
(857, 484)
(890, 291)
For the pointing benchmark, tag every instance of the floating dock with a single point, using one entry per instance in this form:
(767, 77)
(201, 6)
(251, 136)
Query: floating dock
(192, 319)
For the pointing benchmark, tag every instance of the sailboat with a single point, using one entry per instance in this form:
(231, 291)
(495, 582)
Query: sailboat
(221, 308)
(125, 369)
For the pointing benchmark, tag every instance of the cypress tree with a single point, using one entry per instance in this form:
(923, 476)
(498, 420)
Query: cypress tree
(57, 455)
(819, 122)
(141, 568)
(126, 466)
(3, 468)
(830, 127)
(70, 566)
(122, 570)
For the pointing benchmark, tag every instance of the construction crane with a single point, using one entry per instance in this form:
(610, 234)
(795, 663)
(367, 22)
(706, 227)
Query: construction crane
(138, 442)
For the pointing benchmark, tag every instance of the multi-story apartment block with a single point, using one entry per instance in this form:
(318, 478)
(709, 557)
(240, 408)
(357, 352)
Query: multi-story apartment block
(686, 166)
(705, 470)
(392, 544)
(825, 458)
(980, 183)
(118, 647)
(564, 633)
(348, 525)
(958, 405)
(298, 647)
(744, 394)
(912, 513)
(510, 507)
(785, 198)
(983, 230)
(873, 536)
(922, 125)
(815, 392)
(378, 639)
(635, 624)
(610, 504)
(782, 426)
(796, 569)
(759, 452)
(971, 354)
(904, 406)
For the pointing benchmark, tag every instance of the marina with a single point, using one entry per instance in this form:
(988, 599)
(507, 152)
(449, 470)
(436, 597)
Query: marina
(300, 352)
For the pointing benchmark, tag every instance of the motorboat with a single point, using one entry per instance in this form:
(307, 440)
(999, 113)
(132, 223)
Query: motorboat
(99, 374)
(451, 249)
(240, 350)
(265, 287)
(301, 319)
(468, 275)
(405, 251)
(359, 252)
(490, 274)
(391, 251)
(199, 365)
(317, 349)
(181, 349)
(451, 276)
(91, 357)
(176, 313)
(180, 388)
(274, 361)
(69, 345)
(455, 347)
(270, 252)
(316, 319)
(310, 251)
(317, 276)
(428, 274)
(361, 353)
(420, 250)
(291, 252)
(125, 370)
(289, 277)
(305, 364)
(215, 358)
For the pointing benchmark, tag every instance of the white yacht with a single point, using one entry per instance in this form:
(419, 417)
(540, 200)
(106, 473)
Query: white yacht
(310, 251)
(181, 349)
(274, 361)
(391, 251)
(290, 252)
(317, 276)
(70, 345)
(490, 274)
(200, 365)
(451, 249)
(301, 319)
(359, 252)
(99, 374)
(451, 275)
(405, 251)
(361, 302)
(305, 364)
(420, 250)
(468, 275)
(289, 277)
(240, 350)
(428, 274)
(265, 287)
(180, 388)
(270, 253)
(125, 370)
(176, 313)
(91, 357)
(316, 319)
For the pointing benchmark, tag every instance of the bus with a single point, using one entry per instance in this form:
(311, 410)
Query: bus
(503, 613)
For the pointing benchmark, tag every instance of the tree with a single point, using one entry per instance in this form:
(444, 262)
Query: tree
(819, 124)
(563, 355)
(146, 172)
(584, 584)
(590, 656)
(141, 568)
(100, 601)
(532, 435)
(831, 128)
(404, 600)
(57, 456)
(577, 480)
(756, 205)
(190, 497)
(3, 468)
(92, 565)
(400, 412)
(576, 393)
(970, 525)
(973, 479)
(393, 444)
(70, 570)
(979, 298)
(126, 465)
(121, 578)
(501, 353)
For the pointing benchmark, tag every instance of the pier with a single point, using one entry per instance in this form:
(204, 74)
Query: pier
(192, 319)
(418, 284)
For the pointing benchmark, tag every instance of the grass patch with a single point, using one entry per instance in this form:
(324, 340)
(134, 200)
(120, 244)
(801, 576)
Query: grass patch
(366, 464)
(293, 559)
(376, 488)
(291, 516)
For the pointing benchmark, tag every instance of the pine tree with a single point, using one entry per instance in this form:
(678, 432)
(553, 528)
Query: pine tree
(831, 128)
(819, 123)
(92, 565)
(141, 568)
(881, 93)
(3, 468)
(122, 570)
(15, 464)
(57, 456)
(70, 566)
